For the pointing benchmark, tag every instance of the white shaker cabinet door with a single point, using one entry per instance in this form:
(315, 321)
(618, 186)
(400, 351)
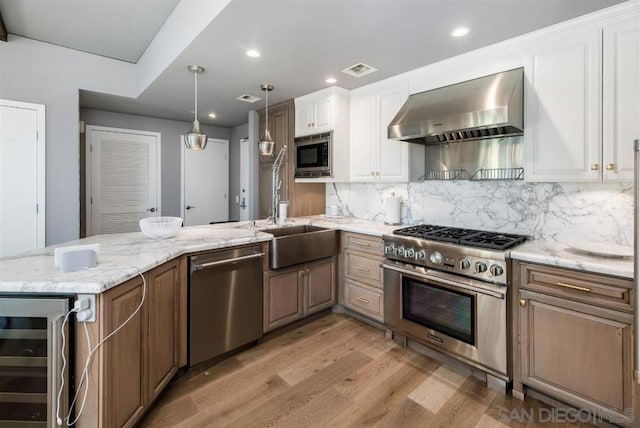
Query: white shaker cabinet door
(621, 97)
(304, 119)
(563, 108)
(394, 155)
(362, 145)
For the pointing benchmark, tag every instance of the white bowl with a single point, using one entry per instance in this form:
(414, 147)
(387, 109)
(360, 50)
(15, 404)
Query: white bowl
(160, 227)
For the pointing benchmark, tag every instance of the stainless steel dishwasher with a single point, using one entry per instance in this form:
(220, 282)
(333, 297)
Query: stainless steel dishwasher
(225, 301)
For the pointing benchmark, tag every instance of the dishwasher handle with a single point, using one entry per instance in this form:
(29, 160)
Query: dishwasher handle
(206, 265)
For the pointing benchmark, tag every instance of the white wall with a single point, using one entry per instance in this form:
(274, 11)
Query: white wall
(170, 131)
(37, 72)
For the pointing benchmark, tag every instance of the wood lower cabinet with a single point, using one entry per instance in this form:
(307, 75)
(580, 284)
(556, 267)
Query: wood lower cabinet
(293, 293)
(164, 326)
(282, 297)
(125, 355)
(361, 288)
(572, 342)
(135, 364)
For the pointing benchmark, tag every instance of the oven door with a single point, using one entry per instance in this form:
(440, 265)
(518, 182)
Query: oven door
(461, 317)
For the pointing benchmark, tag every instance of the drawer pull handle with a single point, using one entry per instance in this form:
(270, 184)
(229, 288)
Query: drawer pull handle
(574, 287)
(523, 302)
(363, 269)
(363, 300)
(362, 244)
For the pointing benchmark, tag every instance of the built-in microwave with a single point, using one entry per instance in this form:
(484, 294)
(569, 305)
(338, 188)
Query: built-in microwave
(313, 155)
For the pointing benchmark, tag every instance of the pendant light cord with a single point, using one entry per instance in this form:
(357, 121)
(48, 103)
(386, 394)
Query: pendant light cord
(196, 94)
(266, 121)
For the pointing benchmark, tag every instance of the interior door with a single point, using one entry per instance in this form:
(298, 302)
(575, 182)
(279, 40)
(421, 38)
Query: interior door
(206, 183)
(22, 177)
(123, 185)
(246, 193)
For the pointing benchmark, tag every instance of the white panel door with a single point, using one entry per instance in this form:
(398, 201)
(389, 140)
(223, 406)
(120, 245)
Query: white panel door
(124, 180)
(363, 145)
(206, 183)
(22, 180)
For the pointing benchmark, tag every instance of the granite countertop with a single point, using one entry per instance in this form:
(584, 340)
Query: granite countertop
(124, 255)
(561, 255)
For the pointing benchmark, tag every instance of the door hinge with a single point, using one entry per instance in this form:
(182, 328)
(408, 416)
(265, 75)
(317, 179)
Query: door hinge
(91, 200)
(90, 147)
(37, 208)
(225, 196)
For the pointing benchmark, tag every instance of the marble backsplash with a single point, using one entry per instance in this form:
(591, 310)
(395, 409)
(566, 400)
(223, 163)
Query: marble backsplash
(562, 212)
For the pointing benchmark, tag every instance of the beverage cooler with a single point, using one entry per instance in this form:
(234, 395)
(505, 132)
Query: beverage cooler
(31, 360)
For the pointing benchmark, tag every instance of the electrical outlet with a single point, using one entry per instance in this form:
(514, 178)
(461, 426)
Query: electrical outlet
(91, 309)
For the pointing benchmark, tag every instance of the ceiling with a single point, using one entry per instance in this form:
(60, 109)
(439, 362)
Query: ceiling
(120, 29)
(302, 43)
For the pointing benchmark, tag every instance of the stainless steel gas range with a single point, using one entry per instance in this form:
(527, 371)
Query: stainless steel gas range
(447, 288)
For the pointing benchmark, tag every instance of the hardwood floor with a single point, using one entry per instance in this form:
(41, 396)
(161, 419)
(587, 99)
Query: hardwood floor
(337, 372)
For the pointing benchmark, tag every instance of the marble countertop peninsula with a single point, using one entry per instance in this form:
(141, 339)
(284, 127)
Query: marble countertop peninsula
(562, 255)
(125, 255)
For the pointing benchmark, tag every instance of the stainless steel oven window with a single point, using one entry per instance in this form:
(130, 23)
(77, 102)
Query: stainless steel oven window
(447, 311)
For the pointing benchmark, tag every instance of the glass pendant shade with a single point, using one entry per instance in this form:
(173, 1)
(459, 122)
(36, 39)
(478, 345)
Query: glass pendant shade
(195, 139)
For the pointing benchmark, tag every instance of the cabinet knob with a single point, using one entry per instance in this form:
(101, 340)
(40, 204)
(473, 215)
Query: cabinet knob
(610, 166)
(594, 167)
(523, 302)
(307, 271)
(373, 173)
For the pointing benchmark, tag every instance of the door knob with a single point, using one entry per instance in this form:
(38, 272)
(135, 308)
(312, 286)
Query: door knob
(523, 302)
(151, 210)
(594, 167)
(189, 207)
(610, 167)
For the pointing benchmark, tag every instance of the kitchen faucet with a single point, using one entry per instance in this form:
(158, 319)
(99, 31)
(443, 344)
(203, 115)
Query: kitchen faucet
(275, 182)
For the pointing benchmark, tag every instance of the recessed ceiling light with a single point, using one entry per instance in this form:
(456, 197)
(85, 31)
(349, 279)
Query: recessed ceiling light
(253, 53)
(460, 31)
(331, 80)
(212, 115)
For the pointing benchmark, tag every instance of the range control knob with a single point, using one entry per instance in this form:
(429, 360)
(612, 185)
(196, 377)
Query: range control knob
(421, 255)
(464, 264)
(389, 249)
(410, 253)
(481, 267)
(400, 251)
(436, 257)
(496, 270)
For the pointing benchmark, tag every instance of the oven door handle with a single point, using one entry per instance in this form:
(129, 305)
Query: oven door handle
(457, 284)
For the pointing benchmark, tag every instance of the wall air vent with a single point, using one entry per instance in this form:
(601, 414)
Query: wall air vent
(360, 69)
(248, 98)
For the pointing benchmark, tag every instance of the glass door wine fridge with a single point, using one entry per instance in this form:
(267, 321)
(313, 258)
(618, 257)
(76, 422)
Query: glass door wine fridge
(30, 360)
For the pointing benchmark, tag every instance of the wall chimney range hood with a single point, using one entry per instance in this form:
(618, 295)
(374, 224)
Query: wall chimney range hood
(487, 107)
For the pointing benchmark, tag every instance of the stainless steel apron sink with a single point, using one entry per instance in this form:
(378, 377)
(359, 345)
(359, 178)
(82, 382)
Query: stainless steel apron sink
(293, 245)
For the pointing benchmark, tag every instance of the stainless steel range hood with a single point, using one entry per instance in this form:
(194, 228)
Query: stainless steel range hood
(488, 107)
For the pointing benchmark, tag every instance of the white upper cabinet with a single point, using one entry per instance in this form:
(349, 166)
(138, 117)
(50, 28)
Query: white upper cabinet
(582, 106)
(375, 158)
(562, 137)
(316, 112)
(620, 97)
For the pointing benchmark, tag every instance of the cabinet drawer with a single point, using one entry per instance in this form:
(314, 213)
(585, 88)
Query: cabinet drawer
(610, 292)
(363, 268)
(364, 243)
(364, 299)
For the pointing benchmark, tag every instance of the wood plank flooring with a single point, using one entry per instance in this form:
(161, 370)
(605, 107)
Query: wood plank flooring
(337, 372)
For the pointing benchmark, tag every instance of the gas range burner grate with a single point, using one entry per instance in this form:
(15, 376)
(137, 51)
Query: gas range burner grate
(468, 237)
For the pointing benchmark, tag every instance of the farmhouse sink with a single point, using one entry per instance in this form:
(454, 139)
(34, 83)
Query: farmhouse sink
(293, 245)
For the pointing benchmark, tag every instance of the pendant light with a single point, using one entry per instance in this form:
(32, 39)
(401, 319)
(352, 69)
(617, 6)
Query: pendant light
(195, 139)
(266, 145)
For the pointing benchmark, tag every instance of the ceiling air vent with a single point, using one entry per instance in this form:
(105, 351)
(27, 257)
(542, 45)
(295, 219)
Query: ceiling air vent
(360, 69)
(248, 98)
